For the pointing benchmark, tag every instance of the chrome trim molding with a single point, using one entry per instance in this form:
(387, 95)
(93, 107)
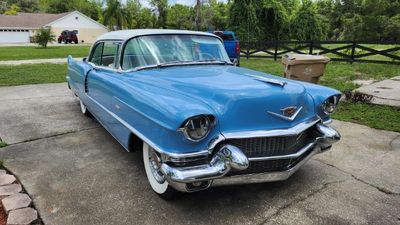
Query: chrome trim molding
(229, 157)
(272, 133)
(268, 80)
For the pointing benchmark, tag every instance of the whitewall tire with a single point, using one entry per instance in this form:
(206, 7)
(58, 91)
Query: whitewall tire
(84, 109)
(156, 179)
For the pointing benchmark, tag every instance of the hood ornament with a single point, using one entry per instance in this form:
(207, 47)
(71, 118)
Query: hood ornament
(288, 113)
(268, 80)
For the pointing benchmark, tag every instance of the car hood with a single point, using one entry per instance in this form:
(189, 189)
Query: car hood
(237, 96)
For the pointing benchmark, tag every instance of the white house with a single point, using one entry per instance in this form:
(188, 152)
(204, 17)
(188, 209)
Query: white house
(19, 28)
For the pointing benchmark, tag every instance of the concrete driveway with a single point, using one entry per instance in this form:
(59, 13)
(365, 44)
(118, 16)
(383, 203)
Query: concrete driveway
(77, 173)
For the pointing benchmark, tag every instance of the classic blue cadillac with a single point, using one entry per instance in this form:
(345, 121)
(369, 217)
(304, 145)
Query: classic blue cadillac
(199, 120)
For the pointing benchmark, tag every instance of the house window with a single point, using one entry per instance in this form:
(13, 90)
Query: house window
(76, 18)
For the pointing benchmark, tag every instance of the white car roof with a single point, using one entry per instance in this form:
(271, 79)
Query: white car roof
(127, 34)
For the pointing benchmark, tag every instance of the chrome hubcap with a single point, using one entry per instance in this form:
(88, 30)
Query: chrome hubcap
(155, 166)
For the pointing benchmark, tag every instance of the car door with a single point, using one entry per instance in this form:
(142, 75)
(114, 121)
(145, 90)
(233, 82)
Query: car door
(101, 83)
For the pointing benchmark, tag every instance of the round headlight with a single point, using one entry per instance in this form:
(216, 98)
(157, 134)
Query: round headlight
(197, 128)
(329, 106)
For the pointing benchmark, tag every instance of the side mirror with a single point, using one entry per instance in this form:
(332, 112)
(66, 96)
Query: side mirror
(84, 59)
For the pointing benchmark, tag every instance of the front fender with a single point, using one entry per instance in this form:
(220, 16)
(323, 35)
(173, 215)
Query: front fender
(157, 113)
(319, 94)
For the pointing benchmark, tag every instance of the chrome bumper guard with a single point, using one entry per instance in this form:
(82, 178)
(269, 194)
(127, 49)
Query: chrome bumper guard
(229, 157)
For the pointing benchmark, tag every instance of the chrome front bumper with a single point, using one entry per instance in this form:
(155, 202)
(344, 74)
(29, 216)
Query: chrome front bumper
(230, 158)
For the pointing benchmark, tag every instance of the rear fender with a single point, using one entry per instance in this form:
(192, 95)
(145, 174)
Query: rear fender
(77, 75)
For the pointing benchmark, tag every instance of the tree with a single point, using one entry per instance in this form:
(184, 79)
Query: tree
(24, 5)
(133, 8)
(259, 20)
(43, 36)
(13, 10)
(115, 15)
(220, 17)
(179, 17)
(91, 8)
(146, 19)
(273, 20)
(243, 19)
(305, 23)
(161, 7)
(56, 6)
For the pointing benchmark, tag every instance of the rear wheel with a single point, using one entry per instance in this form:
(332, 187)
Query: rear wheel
(156, 178)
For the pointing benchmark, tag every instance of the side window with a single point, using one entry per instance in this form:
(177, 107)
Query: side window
(109, 56)
(105, 54)
(96, 55)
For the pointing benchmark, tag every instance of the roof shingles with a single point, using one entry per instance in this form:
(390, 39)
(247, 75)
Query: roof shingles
(28, 20)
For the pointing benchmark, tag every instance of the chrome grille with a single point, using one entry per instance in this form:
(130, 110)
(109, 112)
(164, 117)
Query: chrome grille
(272, 146)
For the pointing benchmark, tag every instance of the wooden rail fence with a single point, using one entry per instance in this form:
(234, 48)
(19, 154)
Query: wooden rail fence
(346, 51)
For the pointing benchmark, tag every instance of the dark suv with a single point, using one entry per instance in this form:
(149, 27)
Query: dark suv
(67, 36)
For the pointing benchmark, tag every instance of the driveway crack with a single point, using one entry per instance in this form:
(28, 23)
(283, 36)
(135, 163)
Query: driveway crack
(301, 199)
(381, 189)
(54, 135)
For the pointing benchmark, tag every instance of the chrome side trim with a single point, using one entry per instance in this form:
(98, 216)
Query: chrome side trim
(294, 155)
(272, 133)
(148, 141)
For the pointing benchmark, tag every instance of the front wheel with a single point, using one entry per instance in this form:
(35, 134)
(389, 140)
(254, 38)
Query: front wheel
(152, 165)
(84, 109)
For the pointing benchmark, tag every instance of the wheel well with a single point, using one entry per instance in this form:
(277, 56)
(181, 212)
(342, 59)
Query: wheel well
(135, 143)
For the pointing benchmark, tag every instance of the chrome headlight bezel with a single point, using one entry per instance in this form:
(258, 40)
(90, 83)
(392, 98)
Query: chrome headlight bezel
(330, 104)
(202, 123)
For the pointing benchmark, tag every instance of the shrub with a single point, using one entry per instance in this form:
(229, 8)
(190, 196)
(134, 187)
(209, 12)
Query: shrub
(44, 36)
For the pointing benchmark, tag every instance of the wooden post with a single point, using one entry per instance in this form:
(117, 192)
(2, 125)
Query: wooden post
(311, 48)
(276, 50)
(248, 49)
(353, 50)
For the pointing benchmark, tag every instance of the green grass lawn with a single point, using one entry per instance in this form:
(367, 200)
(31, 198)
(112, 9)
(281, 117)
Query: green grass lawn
(32, 74)
(32, 52)
(376, 116)
(339, 76)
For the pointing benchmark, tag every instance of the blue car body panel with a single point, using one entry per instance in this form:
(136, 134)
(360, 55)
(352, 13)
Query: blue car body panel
(155, 102)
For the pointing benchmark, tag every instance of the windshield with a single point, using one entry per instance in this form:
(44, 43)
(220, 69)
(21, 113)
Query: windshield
(159, 50)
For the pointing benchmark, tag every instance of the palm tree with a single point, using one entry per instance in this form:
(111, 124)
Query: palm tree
(115, 16)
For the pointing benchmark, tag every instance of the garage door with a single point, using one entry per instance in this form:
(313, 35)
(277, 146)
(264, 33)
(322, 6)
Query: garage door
(14, 36)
